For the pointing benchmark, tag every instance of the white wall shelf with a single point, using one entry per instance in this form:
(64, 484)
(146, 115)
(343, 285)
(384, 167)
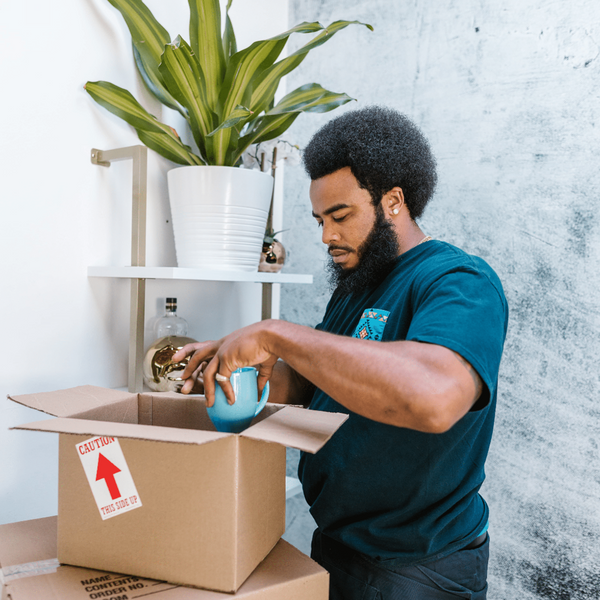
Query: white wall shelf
(138, 272)
(196, 274)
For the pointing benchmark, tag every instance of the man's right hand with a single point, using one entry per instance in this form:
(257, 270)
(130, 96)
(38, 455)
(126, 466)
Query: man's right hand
(241, 348)
(244, 347)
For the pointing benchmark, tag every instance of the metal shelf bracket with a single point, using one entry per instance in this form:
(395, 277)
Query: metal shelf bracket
(139, 156)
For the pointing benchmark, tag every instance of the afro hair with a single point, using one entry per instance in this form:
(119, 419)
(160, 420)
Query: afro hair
(383, 149)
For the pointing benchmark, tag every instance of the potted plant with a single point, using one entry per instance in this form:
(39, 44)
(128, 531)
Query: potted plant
(226, 97)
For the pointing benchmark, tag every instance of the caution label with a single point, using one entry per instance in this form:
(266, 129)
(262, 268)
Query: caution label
(108, 475)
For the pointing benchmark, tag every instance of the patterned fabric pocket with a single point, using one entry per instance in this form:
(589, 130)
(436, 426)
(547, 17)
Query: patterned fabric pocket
(371, 325)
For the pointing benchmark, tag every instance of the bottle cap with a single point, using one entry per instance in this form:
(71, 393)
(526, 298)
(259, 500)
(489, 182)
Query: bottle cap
(171, 300)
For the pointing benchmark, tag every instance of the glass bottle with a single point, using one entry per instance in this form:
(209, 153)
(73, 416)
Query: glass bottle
(170, 324)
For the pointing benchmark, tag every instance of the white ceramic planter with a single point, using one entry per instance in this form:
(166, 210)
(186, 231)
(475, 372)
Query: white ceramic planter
(219, 216)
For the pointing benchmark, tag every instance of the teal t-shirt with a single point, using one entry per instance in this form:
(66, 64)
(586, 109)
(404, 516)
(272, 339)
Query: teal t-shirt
(393, 493)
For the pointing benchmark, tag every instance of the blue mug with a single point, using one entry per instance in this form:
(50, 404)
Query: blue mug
(234, 418)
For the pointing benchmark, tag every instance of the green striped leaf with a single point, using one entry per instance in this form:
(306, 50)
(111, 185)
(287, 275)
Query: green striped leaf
(225, 138)
(310, 98)
(327, 33)
(156, 135)
(183, 77)
(121, 103)
(150, 78)
(149, 38)
(268, 82)
(229, 42)
(241, 71)
(244, 65)
(169, 148)
(239, 114)
(265, 128)
(205, 40)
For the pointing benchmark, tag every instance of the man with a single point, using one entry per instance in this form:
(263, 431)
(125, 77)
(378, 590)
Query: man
(410, 348)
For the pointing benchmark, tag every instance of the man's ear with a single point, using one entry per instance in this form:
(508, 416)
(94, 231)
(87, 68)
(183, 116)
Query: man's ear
(393, 202)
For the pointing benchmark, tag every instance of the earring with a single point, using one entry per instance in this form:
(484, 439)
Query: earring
(395, 211)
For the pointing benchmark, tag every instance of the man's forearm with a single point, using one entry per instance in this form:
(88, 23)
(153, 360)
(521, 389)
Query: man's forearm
(289, 387)
(407, 384)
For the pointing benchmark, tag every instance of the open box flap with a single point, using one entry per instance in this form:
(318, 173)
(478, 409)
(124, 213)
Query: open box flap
(124, 430)
(299, 428)
(72, 401)
(27, 542)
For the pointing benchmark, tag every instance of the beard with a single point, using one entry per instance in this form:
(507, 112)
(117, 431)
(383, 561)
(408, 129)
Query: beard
(376, 258)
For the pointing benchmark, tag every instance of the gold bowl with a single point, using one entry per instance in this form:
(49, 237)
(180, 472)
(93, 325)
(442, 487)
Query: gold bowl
(160, 373)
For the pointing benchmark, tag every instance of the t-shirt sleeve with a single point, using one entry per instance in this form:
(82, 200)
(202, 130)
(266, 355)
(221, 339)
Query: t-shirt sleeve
(465, 312)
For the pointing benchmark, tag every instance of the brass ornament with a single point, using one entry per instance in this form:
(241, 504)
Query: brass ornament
(160, 373)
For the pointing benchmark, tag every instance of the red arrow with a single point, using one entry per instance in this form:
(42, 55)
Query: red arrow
(106, 470)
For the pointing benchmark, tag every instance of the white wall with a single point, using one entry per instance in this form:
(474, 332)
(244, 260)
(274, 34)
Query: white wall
(61, 214)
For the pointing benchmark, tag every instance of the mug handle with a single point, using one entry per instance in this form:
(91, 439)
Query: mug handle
(263, 398)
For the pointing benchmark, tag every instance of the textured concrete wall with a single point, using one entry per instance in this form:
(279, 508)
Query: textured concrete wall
(509, 95)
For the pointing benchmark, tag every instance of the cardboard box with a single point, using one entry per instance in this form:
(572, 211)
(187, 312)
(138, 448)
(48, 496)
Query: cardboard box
(29, 570)
(147, 487)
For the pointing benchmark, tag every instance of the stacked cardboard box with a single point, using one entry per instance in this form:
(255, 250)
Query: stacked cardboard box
(29, 570)
(148, 488)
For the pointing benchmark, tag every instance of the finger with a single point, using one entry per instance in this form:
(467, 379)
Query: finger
(199, 387)
(202, 352)
(228, 391)
(193, 382)
(209, 381)
(226, 386)
(199, 357)
(264, 374)
(184, 351)
(199, 384)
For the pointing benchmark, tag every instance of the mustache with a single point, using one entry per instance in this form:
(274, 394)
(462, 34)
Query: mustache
(343, 248)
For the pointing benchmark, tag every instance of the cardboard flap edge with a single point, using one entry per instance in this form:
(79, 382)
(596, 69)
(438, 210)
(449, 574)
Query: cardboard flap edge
(25, 400)
(62, 403)
(151, 433)
(299, 428)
